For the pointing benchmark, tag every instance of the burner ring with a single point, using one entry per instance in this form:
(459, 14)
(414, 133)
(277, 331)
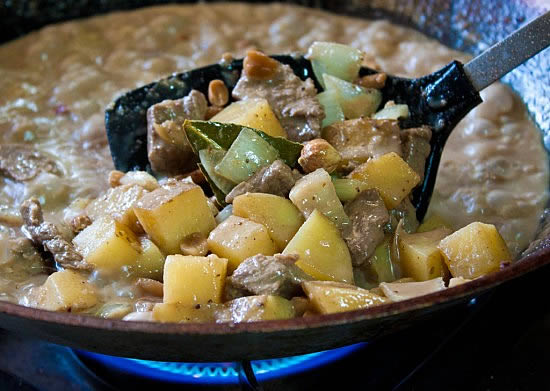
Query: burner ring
(218, 373)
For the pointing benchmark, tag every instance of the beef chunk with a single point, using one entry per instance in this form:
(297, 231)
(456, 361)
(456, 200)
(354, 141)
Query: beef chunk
(48, 235)
(368, 216)
(168, 150)
(359, 139)
(416, 148)
(294, 101)
(269, 275)
(22, 162)
(276, 178)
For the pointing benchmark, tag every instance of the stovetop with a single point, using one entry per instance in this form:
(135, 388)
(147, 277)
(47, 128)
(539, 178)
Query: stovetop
(501, 341)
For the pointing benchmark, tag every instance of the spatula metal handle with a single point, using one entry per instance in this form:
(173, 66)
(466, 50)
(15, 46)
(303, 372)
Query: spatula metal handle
(507, 54)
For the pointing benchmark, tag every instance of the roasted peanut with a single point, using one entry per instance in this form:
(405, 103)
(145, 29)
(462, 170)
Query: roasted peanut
(257, 65)
(377, 80)
(78, 223)
(150, 286)
(319, 153)
(114, 178)
(218, 95)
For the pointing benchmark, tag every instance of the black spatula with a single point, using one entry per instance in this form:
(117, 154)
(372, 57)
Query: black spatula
(440, 99)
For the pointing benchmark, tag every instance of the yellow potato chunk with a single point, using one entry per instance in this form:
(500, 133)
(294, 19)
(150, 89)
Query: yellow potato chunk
(67, 290)
(328, 297)
(180, 313)
(419, 255)
(118, 203)
(237, 239)
(322, 252)
(431, 223)
(108, 245)
(150, 263)
(256, 308)
(254, 113)
(281, 218)
(171, 213)
(390, 175)
(474, 250)
(190, 280)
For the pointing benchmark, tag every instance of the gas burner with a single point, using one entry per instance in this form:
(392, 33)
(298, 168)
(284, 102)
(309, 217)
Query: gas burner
(221, 373)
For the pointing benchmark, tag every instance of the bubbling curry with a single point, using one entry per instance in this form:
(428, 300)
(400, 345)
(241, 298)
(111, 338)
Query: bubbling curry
(271, 201)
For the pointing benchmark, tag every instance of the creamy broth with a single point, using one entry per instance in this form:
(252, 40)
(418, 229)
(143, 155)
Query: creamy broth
(57, 82)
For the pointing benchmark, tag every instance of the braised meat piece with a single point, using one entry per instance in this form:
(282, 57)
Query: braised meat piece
(22, 162)
(269, 275)
(168, 150)
(359, 139)
(48, 235)
(293, 101)
(368, 216)
(277, 178)
(416, 147)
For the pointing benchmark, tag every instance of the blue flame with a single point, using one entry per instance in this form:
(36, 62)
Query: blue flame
(222, 372)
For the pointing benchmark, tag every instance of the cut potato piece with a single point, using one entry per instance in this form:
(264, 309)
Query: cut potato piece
(248, 153)
(419, 255)
(322, 252)
(150, 263)
(355, 101)
(254, 113)
(334, 59)
(474, 250)
(118, 203)
(180, 313)
(281, 218)
(169, 214)
(397, 291)
(328, 297)
(433, 222)
(237, 239)
(316, 191)
(192, 280)
(390, 175)
(256, 308)
(108, 245)
(67, 290)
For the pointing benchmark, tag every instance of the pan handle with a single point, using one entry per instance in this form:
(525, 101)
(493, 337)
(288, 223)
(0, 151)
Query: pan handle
(247, 379)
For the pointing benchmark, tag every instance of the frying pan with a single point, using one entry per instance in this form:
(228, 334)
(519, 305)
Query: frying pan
(463, 24)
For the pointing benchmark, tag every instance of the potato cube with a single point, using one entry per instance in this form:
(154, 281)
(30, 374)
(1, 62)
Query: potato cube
(237, 239)
(150, 263)
(108, 245)
(67, 290)
(474, 250)
(315, 191)
(390, 175)
(180, 313)
(190, 280)
(281, 218)
(171, 213)
(256, 308)
(420, 258)
(322, 252)
(254, 113)
(118, 203)
(328, 297)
